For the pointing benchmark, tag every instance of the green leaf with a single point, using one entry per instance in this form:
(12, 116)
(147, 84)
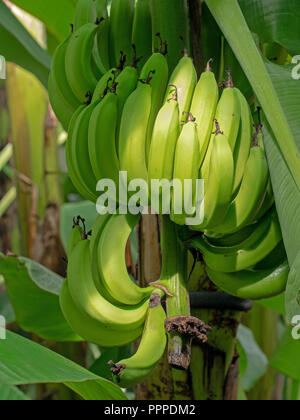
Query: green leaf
(85, 209)
(56, 14)
(18, 46)
(25, 362)
(285, 359)
(274, 21)
(33, 291)
(257, 362)
(229, 17)
(11, 393)
(285, 190)
(292, 297)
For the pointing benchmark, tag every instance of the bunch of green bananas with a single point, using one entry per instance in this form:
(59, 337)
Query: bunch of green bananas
(124, 112)
(101, 302)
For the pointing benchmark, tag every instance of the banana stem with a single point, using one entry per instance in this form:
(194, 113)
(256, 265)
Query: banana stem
(174, 275)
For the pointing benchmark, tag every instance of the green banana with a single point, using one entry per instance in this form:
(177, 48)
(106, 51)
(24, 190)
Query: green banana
(62, 110)
(243, 144)
(231, 239)
(218, 188)
(103, 34)
(63, 101)
(85, 12)
(102, 139)
(78, 152)
(262, 242)
(104, 85)
(253, 285)
(125, 84)
(157, 63)
(142, 30)
(267, 203)
(79, 63)
(133, 132)
(171, 20)
(121, 18)
(97, 230)
(250, 196)
(163, 146)
(204, 104)
(85, 295)
(72, 164)
(184, 77)
(111, 261)
(130, 372)
(228, 115)
(89, 328)
(187, 151)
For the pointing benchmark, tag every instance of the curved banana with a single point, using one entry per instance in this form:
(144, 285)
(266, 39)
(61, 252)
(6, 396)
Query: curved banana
(228, 115)
(79, 63)
(62, 98)
(78, 159)
(157, 67)
(240, 257)
(97, 230)
(121, 18)
(218, 188)
(102, 139)
(130, 372)
(90, 329)
(104, 85)
(267, 203)
(133, 133)
(231, 239)
(85, 295)
(186, 169)
(102, 38)
(163, 145)
(243, 209)
(204, 105)
(62, 110)
(85, 12)
(184, 77)
(243, 143)
(111, 261)
(253, 285)
(142, 30)
(72, 165)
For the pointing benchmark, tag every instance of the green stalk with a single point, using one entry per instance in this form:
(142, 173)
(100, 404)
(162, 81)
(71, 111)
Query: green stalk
(230, 18)
(6, 155)
(264, 324)
(174, 276)
(7, 200)
(210, 363)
